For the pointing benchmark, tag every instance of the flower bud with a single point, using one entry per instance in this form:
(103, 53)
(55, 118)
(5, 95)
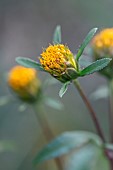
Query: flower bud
(24, 82)
(102, 46)
(59, 61)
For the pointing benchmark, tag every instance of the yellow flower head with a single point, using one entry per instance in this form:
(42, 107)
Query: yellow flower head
(102, 46)
(56, 59)
(102, 43)
(24, 82)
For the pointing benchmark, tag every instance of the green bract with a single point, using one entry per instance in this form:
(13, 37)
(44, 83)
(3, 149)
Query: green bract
(57, 35)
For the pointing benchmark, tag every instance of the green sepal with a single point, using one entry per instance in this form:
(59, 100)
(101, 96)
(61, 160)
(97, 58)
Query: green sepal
(95, 66)
(27, 62)
(57, 35)
(62, 78)
(64, 88)
(72, 73)
(85, 42)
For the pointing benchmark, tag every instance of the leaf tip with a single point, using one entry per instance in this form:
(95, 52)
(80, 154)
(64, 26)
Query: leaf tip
(57, 35)
(58, 26)
(61, 94)
(64, 89)
(95, 29)
(17, 59)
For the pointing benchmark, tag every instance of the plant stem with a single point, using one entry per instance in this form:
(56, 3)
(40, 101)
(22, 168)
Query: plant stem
(110, 153)
(43, 123)
(95, 120)
(111, 109)
(46, 129)
(91, 111)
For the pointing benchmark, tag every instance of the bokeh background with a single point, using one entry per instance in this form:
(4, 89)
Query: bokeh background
(25, 27)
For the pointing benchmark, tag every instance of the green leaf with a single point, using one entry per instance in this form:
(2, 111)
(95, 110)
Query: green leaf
(27, 62)
(100, 93)
(102, 163)
(95, 66)
(89, 157)
(64, 88)
(57, 35)
(66, 143)
(85, 42)
(54, 103)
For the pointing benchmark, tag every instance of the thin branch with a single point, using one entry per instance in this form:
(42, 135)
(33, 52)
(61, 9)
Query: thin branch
(111, 110)
(46, 130)
(91, 111)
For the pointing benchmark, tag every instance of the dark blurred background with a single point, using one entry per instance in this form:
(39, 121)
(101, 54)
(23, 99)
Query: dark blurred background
(25, 27)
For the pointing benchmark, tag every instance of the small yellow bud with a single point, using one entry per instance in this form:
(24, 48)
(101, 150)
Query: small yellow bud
(24, 82)
(102, 46)
(57, 60)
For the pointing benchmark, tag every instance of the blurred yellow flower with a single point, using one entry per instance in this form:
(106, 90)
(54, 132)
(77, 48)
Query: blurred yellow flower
(56, 59)
(102, 43)
(102, 46)
(24, 82)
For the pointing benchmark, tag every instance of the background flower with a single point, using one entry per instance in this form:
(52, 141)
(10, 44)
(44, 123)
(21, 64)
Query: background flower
(102, 46)
(24, 82)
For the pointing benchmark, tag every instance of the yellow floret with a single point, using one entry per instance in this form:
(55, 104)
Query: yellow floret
(56, 58)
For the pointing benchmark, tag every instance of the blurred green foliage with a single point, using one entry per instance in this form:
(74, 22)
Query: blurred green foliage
(26, 27)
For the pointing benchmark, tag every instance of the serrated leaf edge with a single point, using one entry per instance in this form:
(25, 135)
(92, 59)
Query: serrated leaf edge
(94, 71)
